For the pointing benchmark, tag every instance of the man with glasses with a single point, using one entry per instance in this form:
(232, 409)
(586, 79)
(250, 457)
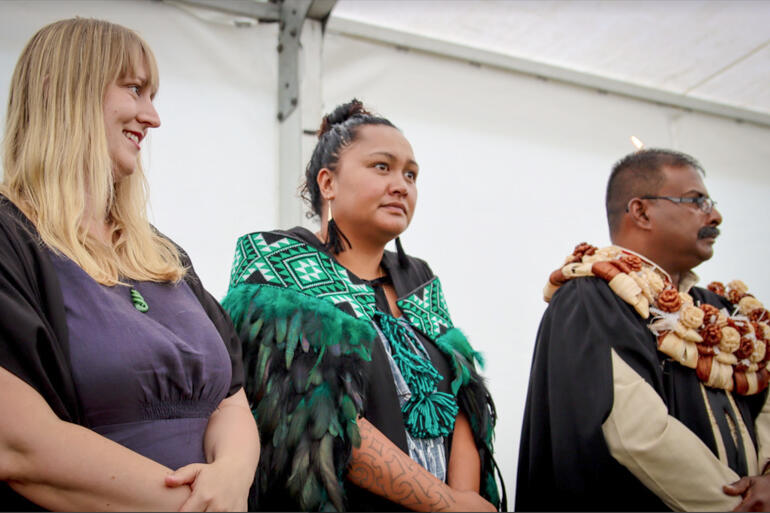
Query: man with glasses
(611, 422)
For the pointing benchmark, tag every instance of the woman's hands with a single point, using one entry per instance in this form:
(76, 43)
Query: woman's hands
(231, 445)
(218, 486)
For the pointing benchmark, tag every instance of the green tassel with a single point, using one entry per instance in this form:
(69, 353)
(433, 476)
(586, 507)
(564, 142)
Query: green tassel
(428, 413)
(429, 416)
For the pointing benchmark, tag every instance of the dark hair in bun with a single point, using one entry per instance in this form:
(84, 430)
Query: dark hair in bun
(338, 129)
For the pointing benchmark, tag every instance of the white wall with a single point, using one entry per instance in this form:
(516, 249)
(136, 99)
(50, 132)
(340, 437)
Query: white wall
(212, 164)
(512, 176)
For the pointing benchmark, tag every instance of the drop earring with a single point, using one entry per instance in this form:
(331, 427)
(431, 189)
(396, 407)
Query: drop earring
(334, 236)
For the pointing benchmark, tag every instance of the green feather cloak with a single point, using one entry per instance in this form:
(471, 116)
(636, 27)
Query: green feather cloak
(307, 341)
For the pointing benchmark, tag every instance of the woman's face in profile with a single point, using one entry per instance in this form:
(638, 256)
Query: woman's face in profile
(128, 114)
(376, 189)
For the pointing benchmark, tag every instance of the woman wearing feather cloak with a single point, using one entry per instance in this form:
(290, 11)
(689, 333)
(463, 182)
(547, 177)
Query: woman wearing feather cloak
(366, 396)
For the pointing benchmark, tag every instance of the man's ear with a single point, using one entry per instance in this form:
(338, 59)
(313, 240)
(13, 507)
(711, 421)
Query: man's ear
(326, 184)
(637, 211)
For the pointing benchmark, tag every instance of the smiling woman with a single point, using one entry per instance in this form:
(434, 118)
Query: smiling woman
(128, 114)
(121, 376)
(366, 394)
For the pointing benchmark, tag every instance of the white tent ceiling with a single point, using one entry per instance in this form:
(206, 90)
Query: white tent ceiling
(709, 50)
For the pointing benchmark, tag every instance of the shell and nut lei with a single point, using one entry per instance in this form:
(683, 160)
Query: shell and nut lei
(728, 350)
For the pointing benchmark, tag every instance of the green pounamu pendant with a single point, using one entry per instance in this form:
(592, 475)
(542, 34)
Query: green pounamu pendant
(139, 302)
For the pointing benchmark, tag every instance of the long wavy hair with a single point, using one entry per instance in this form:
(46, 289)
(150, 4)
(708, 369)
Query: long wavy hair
(57, 167)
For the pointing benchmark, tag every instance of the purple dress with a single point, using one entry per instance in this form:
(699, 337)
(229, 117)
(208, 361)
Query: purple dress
(148, 381)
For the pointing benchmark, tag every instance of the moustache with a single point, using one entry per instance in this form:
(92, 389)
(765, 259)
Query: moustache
(708, 232)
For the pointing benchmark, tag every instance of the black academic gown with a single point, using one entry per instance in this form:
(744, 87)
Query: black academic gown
(564, 461)
(34, 342)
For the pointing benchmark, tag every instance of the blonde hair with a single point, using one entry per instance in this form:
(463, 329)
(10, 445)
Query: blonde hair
(57, 167)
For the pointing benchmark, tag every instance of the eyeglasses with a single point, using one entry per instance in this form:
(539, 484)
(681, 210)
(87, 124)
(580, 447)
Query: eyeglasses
(704, 203)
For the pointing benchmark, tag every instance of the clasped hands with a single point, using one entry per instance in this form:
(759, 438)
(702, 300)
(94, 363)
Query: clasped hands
(216, 486)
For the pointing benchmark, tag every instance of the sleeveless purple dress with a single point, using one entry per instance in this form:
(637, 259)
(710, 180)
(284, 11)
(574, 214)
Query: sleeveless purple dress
(148, 381)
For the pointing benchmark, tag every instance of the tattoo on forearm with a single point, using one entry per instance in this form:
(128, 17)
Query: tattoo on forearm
(382, 468)
(374, 443)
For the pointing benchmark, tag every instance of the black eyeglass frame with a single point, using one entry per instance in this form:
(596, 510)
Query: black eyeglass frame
(705, 203)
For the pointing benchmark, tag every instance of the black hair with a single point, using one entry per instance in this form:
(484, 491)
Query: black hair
(638, 174)
(338, 129)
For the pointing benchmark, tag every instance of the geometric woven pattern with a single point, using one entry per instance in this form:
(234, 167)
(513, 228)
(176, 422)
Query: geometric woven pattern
(427, 310)
(290, 263)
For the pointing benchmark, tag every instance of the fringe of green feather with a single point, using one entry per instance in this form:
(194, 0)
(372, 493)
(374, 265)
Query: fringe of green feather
(298, 320)
(281, 323)
(293, 322)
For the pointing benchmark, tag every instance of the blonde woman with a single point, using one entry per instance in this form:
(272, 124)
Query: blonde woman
(121, 387)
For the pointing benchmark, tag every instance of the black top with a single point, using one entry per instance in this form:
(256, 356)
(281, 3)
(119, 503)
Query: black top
(34, 341)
